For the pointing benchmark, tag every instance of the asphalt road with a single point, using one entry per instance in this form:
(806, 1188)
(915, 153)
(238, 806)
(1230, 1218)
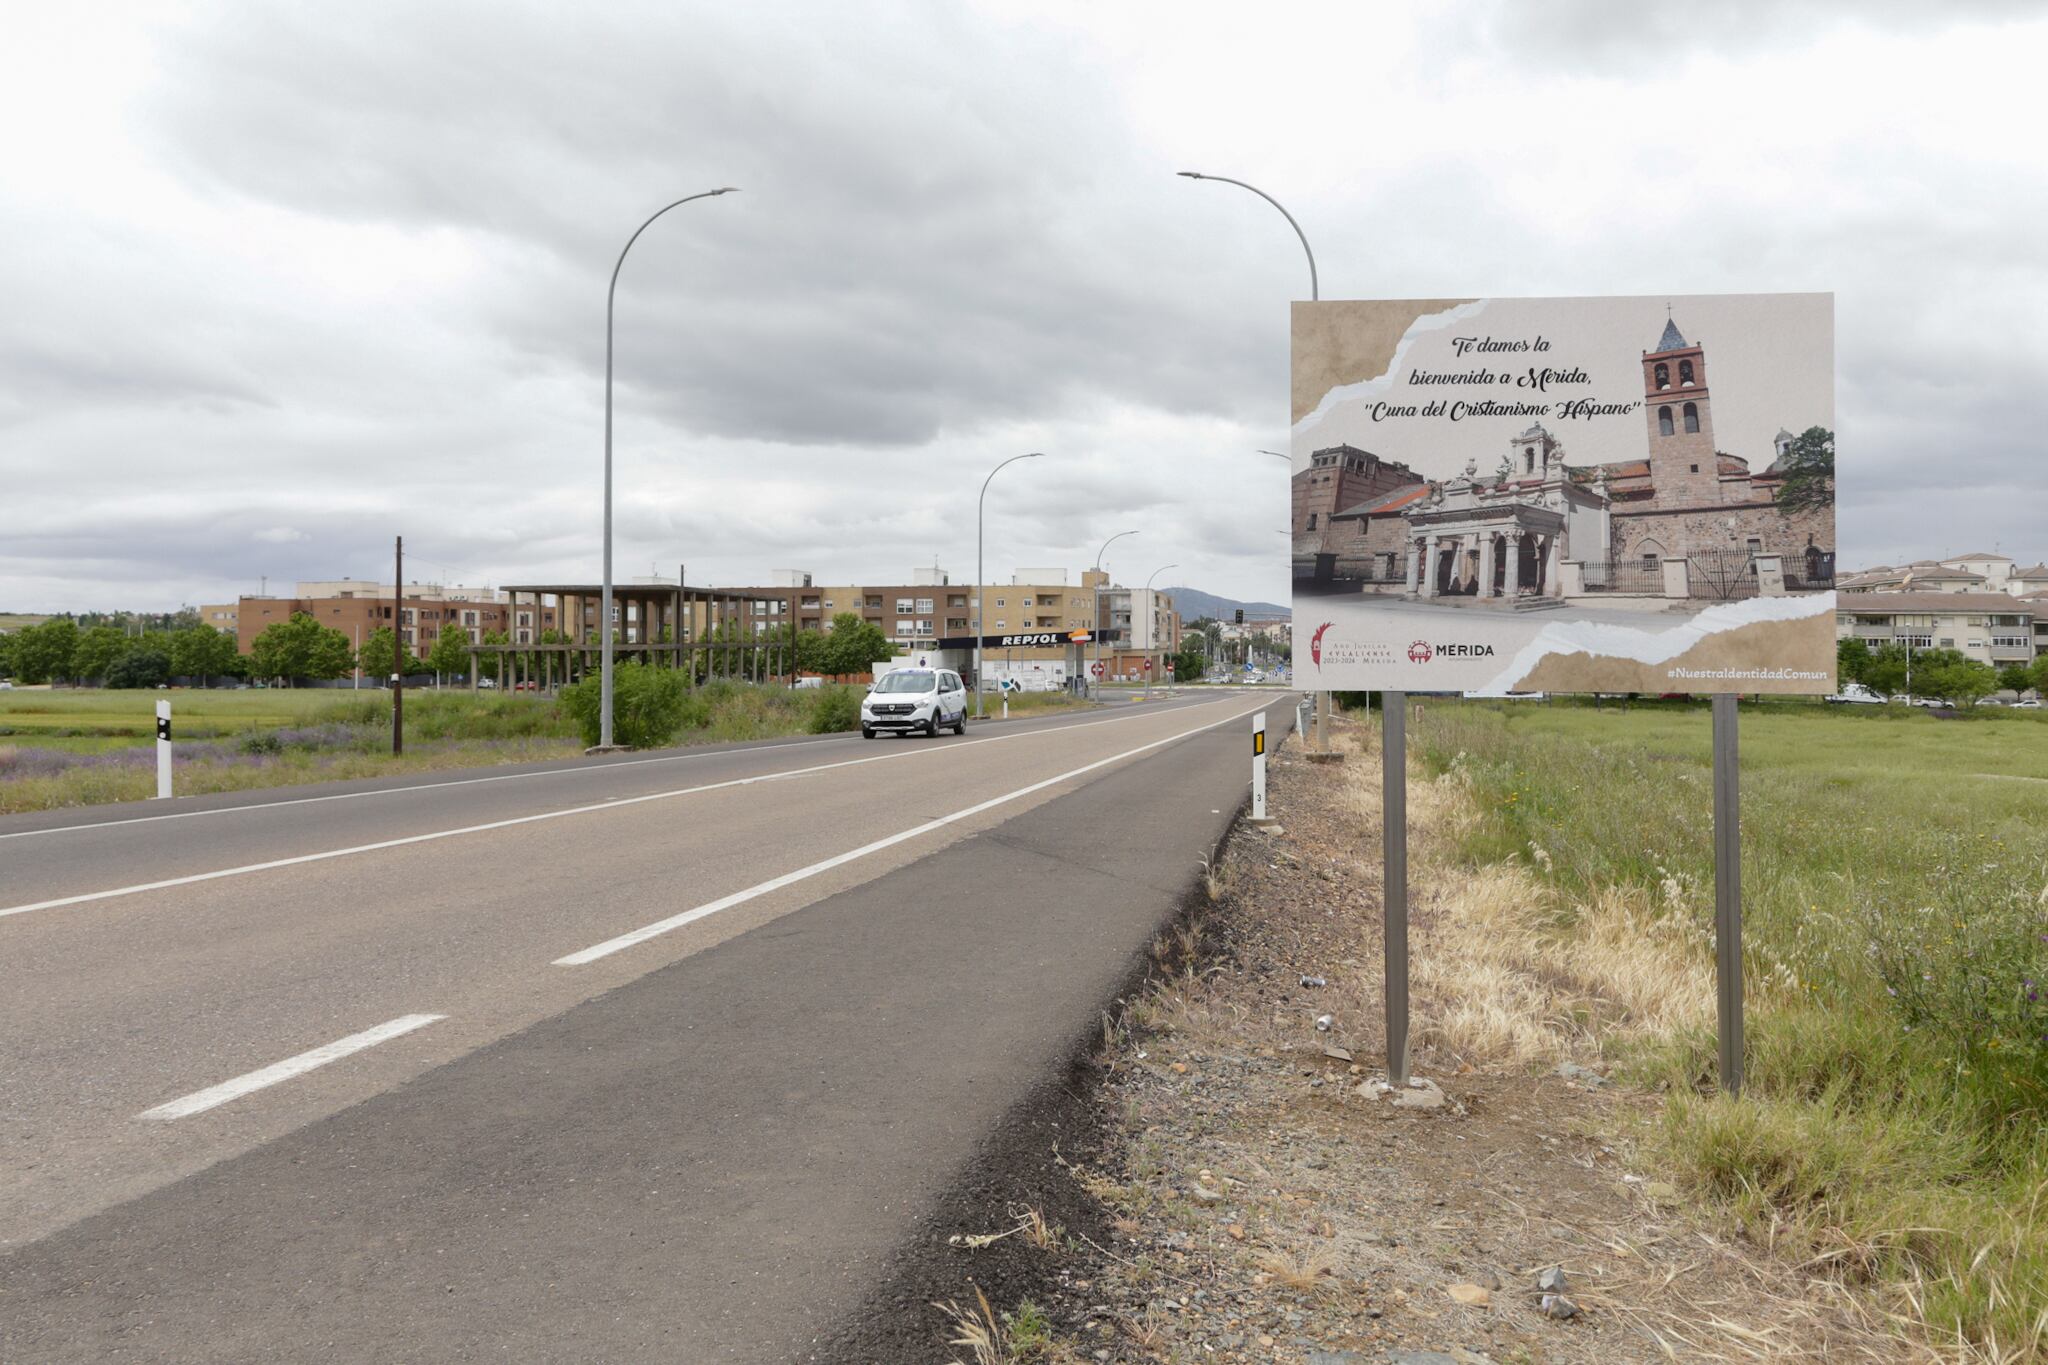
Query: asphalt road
(646, 1058)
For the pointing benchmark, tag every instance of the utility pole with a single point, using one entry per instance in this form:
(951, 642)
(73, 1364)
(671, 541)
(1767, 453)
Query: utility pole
(398, 651)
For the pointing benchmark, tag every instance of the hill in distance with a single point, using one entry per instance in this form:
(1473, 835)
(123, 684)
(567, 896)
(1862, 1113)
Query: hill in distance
(1193, 602)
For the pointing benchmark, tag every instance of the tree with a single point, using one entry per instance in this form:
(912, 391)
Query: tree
(2015, 678)
(204, 653)
(1953, 677)
(2037, 675)
(375, 656)
(1808, 466)
(853, 645)
(144, 666)
(1852, 661)
(300, 648)
(43, 653)
(6, 654)
(450, 654)
(1188, 664)
(97, 649)
(1885, 674)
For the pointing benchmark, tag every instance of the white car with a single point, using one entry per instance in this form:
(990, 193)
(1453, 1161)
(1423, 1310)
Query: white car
(1856, 694)
(920, 699)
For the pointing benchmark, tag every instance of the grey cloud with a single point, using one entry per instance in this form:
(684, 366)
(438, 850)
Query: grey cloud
(1616, 33)
(937, 222)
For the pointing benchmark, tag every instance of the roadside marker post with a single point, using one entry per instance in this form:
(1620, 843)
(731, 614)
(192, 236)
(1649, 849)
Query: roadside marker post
(1259, 816)
(1394, 877)
(1728, 890)
(163, 750)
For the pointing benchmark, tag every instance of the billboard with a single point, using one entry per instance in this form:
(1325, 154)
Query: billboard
(1565, 495)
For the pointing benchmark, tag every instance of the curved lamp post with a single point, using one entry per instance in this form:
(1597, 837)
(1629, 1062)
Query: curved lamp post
(604, 739)
(1148, 602)
(980, 686)
(1314, 293)
(1095, 632)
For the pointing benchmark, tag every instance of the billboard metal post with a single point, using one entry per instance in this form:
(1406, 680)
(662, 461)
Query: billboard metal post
(1728, 890)
(1394, 875)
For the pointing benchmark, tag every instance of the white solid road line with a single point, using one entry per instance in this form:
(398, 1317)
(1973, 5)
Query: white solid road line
(508, 777)
(202, 1100)
(610, 803)
(659, 927)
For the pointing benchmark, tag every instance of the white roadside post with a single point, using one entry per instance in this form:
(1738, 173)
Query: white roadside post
(1259, 816)
(163, 750)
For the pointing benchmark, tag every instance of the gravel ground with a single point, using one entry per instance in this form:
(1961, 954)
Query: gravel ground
(1267, 1200)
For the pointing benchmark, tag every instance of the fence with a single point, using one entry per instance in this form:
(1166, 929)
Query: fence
(1635, 577)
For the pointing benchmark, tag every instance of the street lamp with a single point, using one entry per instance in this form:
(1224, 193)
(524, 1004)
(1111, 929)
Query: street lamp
(980, 687)
(1096, 672)
(1314, 293)
(604, 739)
(1314, 290)
(1154, 614)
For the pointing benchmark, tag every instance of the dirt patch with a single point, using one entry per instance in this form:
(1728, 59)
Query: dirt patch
(1270, 1202)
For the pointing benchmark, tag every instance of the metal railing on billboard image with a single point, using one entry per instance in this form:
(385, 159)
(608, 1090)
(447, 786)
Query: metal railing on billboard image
(1631, 577)
(1720, 575)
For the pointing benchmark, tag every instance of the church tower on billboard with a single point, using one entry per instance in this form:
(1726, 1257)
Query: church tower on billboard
(1680, 413)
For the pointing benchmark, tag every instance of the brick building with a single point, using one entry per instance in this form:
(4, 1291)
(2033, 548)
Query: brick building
(359, 607)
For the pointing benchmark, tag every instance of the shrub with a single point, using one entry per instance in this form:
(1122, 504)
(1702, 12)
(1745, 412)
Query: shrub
(648, 706)
(835, 709)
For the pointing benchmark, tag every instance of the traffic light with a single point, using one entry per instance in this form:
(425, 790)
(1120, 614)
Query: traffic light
(1240, 617)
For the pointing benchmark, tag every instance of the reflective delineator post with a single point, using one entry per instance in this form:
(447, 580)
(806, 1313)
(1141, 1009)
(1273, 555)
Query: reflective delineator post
(163, 750)
(1259, 816)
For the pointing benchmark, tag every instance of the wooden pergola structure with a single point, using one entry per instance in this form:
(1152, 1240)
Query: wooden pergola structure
(708, 632)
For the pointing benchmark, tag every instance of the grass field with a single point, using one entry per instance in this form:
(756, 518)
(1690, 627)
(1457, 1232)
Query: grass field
(1894, 1126)
(93, 720)
(70, 748)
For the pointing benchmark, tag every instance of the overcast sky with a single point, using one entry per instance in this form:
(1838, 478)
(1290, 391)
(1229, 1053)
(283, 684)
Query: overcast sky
(283, 280)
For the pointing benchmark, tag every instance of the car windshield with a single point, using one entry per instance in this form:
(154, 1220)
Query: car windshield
(903, 680)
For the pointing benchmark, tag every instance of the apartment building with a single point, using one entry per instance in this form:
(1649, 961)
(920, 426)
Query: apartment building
(931, 608)
(1990, 627)
(359, 607)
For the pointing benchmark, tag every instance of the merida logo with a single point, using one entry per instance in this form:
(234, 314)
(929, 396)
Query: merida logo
(1422, 651)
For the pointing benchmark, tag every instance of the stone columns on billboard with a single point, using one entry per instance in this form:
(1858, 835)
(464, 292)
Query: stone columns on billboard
(1486, 564)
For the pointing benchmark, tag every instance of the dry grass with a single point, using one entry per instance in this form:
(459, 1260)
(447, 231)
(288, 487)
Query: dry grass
(1507, 969)
(1021, 1337)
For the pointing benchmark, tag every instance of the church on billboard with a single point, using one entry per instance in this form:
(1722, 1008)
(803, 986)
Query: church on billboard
(1687, 520)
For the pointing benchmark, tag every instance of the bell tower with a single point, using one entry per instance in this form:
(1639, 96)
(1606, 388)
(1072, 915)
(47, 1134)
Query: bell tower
(1680, 415)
